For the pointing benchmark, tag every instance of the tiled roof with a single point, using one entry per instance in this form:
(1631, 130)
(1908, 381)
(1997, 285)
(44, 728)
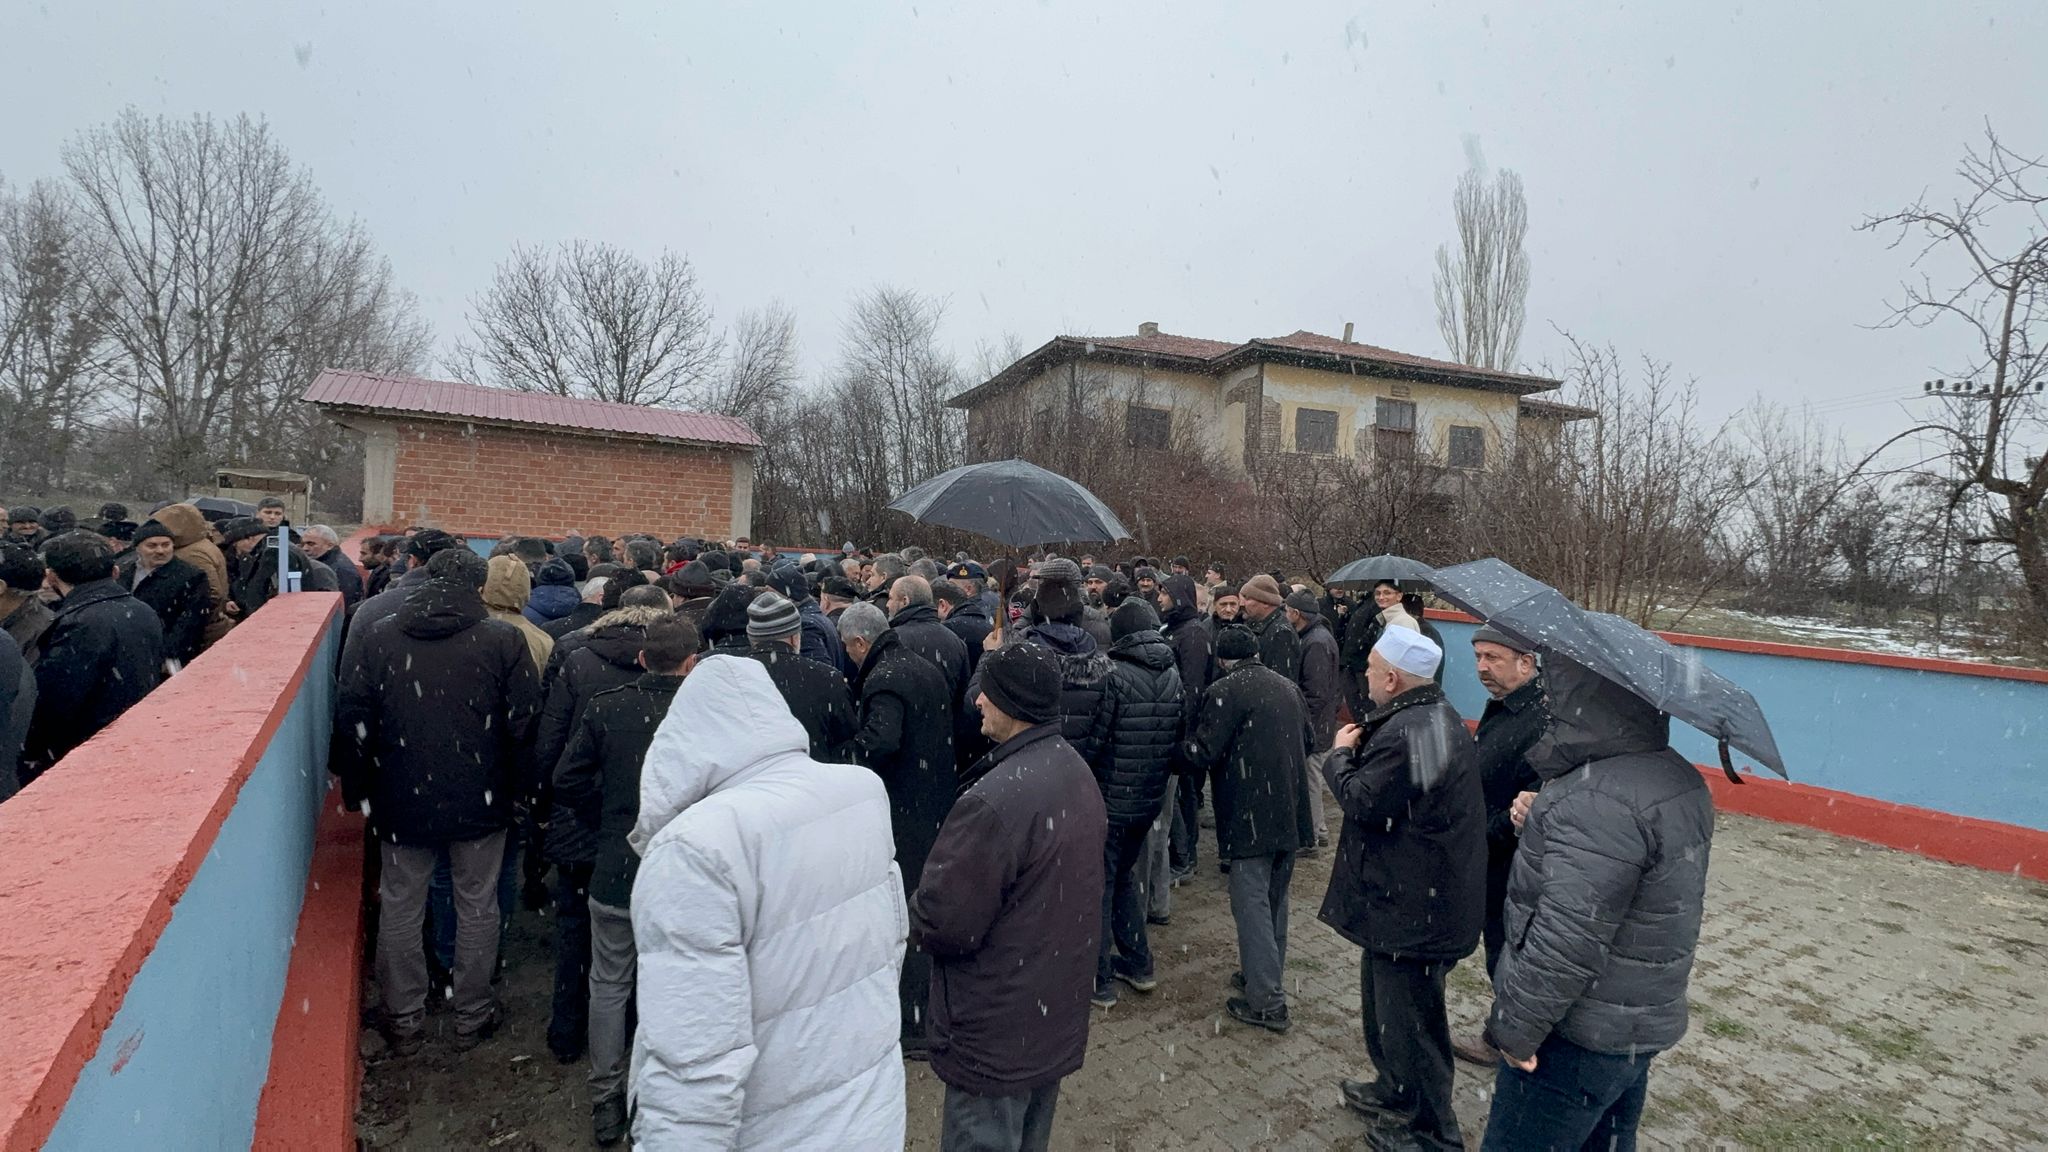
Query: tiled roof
(409, 395)
(1215, 356)
(1552, 410)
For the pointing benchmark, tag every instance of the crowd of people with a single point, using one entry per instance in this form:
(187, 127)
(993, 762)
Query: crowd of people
(801, 818)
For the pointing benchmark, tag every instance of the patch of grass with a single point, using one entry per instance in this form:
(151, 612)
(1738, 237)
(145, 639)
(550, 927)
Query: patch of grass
(1890, 926)
(1307, 964)
(2001, 969)
(1691, 1100)
(1891, 1041)
(1965, 949)
(1465, 979)
(1829, 1124)
(1901, 905)
(2029, 1041)
(1806, 1013)
(1802, 950)
(1719, 1024)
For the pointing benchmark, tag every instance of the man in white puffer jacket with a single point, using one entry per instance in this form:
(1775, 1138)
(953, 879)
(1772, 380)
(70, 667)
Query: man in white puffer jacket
(770, 922)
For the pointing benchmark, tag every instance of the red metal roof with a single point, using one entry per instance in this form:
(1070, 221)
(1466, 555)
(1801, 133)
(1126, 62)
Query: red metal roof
(447, 399)
(1162, 344)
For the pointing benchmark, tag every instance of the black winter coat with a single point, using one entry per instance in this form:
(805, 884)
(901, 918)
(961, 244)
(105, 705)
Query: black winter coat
(1410, 875)
(1249, 737)
(817, 696)
(382, 606)
(103, 652)
(905, 736)
(1084, 674)
(252, 579)
(820, 640)
(1321, 689)
(17, 710)
(1507, 729)
(1604, 903)
(580, 617)
(183, 603)
(1279, 647)
(347, 577)
(921, 631)
(597, 782)
(436, 718)
(605, 657)
(972, 625)
(1010, 908)
(1137, 729)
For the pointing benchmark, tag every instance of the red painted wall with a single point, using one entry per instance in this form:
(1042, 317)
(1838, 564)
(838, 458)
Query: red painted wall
(486, 480)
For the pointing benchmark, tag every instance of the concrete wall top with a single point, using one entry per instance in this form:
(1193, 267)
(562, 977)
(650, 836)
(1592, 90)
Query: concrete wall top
(101, 848)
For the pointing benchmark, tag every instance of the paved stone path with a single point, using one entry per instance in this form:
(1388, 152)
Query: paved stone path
(1845, 994)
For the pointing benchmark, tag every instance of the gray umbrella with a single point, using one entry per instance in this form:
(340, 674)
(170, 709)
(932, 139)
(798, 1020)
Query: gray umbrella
(1670, 678)
(1373, 569)
(1013, 502)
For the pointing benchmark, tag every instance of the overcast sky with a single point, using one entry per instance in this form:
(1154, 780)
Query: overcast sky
(1694, 171)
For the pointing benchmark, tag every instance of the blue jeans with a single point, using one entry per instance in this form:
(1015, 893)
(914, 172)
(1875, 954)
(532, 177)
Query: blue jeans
(1576, 1098)
(441, 902)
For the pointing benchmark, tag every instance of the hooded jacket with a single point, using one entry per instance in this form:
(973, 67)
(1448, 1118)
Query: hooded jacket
(1084, 675)
(550, 602)
(1137, 729)
(191, 543)
(605, 657)
(1010, 910)
(1410, 875)
(435, 719)
(103, 653)
(505, 594)
(769, 921)
(1604, 903)
(1248, 737)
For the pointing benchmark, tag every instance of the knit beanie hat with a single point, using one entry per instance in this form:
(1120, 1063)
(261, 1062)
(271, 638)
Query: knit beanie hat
(771, 615)
(1131, 617)
(429, 541)
(1262, 588)
(1059, 590)
(241, 528)
(1236, 642)
(555, 571)
(152, 530)
(59, 520)
(1023, 681)
(458, 566)
(727, 615)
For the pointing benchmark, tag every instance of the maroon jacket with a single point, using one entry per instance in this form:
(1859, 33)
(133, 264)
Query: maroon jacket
(1009, 908)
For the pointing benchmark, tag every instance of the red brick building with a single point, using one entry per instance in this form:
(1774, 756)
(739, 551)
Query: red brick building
(487, 461)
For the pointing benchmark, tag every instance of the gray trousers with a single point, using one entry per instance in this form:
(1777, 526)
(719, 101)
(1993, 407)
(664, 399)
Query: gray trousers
(1258, 903)
(401, 955)
(614, 966)
(1312, 767)
(1155, 868)
(1020, 1123)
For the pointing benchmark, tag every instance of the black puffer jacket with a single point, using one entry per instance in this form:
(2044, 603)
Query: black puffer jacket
(1137, 728)
(597, 783)
(1604, 903)
(103, 652)
(921, 631)
(1410, 876)
(817, 696)
(1249, 737)
(435, 719)
(605, 657)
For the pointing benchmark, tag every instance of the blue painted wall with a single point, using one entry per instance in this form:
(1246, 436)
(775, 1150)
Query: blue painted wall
(1967, 745)
(196, 1023)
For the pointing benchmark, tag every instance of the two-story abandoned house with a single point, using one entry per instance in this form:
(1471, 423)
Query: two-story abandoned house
(1257, 402)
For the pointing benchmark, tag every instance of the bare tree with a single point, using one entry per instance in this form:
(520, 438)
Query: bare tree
(1483, 286)
(594, 321)
(1991, 246)
(891, 346)
(760, 368)
(51, 319)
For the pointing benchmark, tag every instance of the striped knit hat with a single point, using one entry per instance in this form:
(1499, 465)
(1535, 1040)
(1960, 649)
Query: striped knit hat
(771, 616)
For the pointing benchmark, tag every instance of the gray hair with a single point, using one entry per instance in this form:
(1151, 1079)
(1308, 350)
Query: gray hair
(863, 622)
(891, 565)
(913, 589)
(926, 568)
(323, 532)
(593, 589)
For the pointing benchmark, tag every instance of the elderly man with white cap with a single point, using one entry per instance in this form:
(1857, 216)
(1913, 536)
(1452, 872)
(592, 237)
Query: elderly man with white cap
(1409, 885)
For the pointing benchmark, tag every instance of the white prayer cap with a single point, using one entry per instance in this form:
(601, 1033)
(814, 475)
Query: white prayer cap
(1411, 652)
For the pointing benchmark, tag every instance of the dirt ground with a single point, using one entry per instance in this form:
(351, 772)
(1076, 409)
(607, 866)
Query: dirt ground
(1844, 995)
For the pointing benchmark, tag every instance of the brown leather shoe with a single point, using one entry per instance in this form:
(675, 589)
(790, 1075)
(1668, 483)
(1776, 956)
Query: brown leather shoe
(1475, 1050)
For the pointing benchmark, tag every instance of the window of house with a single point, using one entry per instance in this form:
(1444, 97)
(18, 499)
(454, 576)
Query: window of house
(1147, 427)
(1041, 424)
(1468, 447)
(1315, 430)
(1393, 431)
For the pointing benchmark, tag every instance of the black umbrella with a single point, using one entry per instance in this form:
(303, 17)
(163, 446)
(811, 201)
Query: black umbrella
(1014, 503)
(1670, 678)
(218, 508)
(1373, 569)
